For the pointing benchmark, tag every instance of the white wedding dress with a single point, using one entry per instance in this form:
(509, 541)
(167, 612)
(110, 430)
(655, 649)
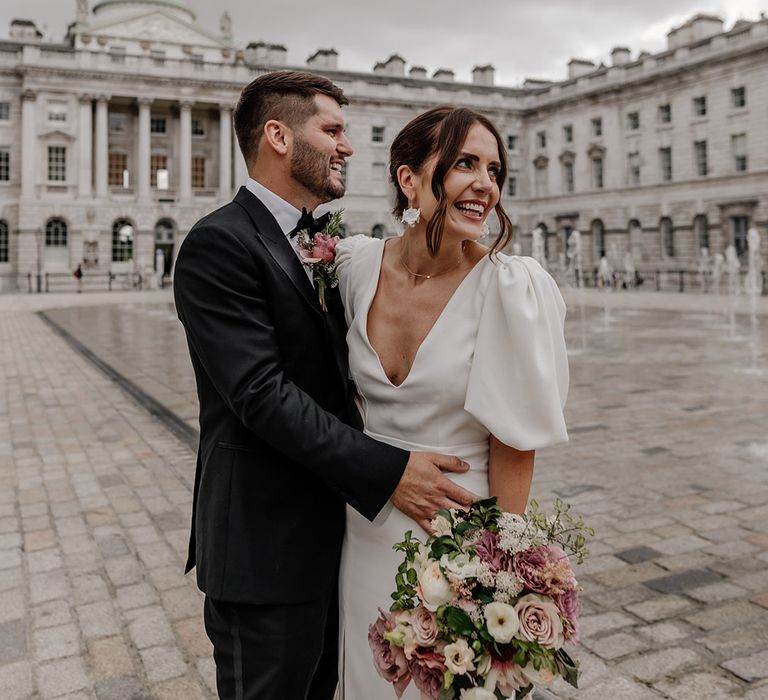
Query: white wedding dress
(494, 363)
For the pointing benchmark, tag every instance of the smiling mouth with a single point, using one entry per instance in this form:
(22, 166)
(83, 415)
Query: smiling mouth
(471, 210)
(336, 166)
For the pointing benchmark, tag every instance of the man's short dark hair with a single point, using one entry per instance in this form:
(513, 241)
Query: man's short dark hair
(287, 96)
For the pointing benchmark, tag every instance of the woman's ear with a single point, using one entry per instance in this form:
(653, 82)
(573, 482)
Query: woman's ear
(277, 136)
(408, 182)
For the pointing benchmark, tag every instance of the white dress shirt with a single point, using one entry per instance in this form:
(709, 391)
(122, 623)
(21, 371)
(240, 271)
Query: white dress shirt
(286, 215)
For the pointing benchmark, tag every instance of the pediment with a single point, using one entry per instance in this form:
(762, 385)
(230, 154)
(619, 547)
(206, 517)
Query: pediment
(55, 135)
(157, 27)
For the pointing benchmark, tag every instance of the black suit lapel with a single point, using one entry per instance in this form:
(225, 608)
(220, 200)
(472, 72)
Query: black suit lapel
(277, 245)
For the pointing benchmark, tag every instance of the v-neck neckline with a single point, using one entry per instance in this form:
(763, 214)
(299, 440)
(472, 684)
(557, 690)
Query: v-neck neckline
(369, 302)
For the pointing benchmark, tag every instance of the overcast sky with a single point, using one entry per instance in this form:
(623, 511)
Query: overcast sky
(520, 38)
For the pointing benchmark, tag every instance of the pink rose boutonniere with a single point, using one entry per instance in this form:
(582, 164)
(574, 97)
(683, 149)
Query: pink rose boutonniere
(319, 253)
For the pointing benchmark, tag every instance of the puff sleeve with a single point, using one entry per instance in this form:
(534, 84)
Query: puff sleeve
(354, 277)
(518, 382)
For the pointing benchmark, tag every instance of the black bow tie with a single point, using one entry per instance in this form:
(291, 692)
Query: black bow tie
(307, 222)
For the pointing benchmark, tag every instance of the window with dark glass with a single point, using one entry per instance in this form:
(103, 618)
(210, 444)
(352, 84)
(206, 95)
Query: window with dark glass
(512, 186)
(739, 97)
(633, 167)
(597, 126)
(700, 106)
(377, 134)
(118, 166)
(700, 157)
(511, 142)
(3, 242)
(568, 133)
(56, 234)
(739, 150)
(598, 173)
(665, 113)
(541, 139)
(665, 164)
(158, 125)
(57, 163)
(667, 238)
(633, 121)
(198, 172)
(122, 240)
(5, 164)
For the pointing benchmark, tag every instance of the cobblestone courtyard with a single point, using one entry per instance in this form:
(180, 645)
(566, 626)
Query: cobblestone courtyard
(668, 460)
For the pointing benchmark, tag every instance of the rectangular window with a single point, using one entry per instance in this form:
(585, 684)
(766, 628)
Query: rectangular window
(633, 121)
(739, 97)
(598, 172)
(57, 111)
(198, 126)
(542, 182)
(377, 134)
(198, 61)
(633, 167)
(4, 242)
(158, 57)
(512, 186)
(511, 142)
(158, 125)
(597, 126)
(198, 172)
(739, 150)
(118, 167)
(5, 111)
(700, 106)
(379, 177)
(158, 171)
(568, 182)
(118, 123)
(665, 114)
(117, 54)
(541, 139)
(568, 133)
(5, 164)
(700, 157)
(57, 163)
(665, 164)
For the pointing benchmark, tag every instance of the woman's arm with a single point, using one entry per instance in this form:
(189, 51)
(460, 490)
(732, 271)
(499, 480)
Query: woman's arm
(510, 473)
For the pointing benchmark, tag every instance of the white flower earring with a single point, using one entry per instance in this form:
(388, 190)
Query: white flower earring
(411, 216)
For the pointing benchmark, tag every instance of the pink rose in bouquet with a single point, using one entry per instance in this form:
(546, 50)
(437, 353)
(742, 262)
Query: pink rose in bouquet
(428, 671)
(389, 659)
(540, 621)
(570, 608)
(324, 249)
(424, 624)
(488, 550)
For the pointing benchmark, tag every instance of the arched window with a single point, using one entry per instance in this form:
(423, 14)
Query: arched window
(56, 234)
(701, 231)
(377, 231)
(3, 241)
(667, 237)
(598, 238)
(122, 240)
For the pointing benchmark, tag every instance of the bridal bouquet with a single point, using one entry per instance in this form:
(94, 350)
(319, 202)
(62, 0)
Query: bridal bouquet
(483, 608)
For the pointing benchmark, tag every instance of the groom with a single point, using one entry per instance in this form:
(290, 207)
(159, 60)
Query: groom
(281, 449)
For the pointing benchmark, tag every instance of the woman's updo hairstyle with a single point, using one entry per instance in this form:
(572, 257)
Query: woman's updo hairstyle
(442, 131)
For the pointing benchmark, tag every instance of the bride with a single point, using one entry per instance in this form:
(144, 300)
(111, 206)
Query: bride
(454, 348)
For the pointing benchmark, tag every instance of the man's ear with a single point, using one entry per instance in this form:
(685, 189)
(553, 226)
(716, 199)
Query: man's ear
(408, 181)
(277, 136)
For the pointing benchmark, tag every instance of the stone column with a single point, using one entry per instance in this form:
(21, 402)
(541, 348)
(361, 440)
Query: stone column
(185, 151)
(102, 145)
(85, 175)
(225, 152)
(28, 144)
(144, 140)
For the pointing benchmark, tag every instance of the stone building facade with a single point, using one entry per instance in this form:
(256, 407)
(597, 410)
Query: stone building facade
(113, 143)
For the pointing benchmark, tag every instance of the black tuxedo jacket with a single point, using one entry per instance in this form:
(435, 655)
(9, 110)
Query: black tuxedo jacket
(280, 442)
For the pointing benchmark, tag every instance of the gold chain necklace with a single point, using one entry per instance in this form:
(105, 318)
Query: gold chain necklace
(438, 274)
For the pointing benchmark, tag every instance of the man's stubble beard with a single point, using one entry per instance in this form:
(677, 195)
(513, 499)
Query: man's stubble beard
(311, 169)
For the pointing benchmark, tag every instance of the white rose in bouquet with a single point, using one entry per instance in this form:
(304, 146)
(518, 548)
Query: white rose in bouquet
(440, 526)
(462, 566)
(502, 621)
(434, 589)
(459, 657)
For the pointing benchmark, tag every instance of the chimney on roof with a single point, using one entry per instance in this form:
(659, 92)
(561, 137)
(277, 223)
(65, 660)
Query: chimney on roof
(483, 75)
(443, 75)
(695, 29)
(277, 55)
(324, 58)
(620, 56)
(418, 72)
(578, 67)
(24, 29)
(394, 66)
